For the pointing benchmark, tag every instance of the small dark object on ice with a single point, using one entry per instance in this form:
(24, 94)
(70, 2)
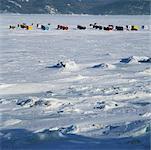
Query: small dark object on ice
(58, 65)
(23, 102)
(81, 27)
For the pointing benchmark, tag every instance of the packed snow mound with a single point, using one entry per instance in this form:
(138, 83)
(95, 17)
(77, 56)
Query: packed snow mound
(136, 59)
(70, 65)
(65, 130)
(104, 66)
(50, 134)
(55, 133)
(67, 65)
(87, 127)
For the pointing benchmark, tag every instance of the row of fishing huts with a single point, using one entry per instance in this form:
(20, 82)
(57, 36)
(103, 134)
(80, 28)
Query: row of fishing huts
(81, 27)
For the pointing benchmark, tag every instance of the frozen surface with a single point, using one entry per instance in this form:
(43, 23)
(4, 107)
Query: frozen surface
(101, 99)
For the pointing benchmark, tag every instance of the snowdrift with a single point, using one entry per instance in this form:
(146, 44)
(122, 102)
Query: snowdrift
(104, 66)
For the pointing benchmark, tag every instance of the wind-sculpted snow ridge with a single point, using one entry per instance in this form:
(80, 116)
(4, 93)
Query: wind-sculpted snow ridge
(124, 129)
(136, 59)
(104, 66)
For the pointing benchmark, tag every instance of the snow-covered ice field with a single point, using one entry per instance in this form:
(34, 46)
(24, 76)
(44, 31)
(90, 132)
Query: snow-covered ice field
(101, 100)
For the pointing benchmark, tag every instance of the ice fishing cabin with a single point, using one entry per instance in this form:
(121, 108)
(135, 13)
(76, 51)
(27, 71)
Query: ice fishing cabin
(29, 27)
(12, 27)
(62, 27)
(119, 28)
(44, 27)
(80, 27)
(134, 28)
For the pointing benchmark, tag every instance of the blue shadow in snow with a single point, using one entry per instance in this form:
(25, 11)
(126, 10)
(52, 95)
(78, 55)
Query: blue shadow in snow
(21, 139)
